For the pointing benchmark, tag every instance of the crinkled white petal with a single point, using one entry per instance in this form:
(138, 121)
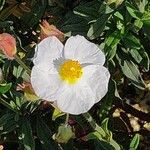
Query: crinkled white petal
(45, 83)
(78, 48)
(47, 51)
(97, 77)
(75, 99)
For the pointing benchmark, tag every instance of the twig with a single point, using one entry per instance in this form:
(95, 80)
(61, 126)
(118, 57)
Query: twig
(129, 109)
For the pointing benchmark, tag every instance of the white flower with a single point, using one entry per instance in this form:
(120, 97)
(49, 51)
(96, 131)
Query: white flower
(72, 75)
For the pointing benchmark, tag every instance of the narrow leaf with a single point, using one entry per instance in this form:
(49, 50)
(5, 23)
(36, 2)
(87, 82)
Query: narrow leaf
(27, 136)
(130, 70)
(97, 28)
(135, 142)
(2, 2)
(7, 123)
(111, 44)
(44, 134)
(133, 11)
(5, 87)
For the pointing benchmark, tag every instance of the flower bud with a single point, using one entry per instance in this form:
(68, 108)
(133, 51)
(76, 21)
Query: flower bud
(50, 30)
(8, 45)
(1, 147)
(64, 134)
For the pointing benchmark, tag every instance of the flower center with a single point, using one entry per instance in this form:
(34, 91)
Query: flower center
(70, 71)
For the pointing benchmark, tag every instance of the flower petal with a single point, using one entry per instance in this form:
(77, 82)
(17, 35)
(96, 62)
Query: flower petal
(78, 48)
(97, 77)
(45, 83)
(75, 99)
(46, 51)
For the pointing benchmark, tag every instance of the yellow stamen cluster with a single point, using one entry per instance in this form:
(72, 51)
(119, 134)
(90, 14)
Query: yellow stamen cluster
(70, 71)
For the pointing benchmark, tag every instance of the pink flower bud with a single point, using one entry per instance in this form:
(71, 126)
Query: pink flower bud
(1, 147)
(8, 45)
(50, 30)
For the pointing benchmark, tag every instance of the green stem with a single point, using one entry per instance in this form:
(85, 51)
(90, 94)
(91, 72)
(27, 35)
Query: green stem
(22, 64)
(93, 124)
(101, 131)
(67, 118)
(89, 118)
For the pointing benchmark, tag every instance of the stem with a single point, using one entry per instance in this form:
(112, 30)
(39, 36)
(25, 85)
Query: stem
(93, 124)
(101, 131)
(67, 118)
(130, 110)
(22, 64)
(89, 118)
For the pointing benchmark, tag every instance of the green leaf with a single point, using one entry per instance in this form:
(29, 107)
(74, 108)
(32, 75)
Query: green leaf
(18, 71)
(7, 123)
(135, 142)
(136, 55)
(130, 70)
(13, 104)
(27, 136)
(44, 134)
(94, 135)
(5, 87)
(105, 8)
(133, 11)
(2, 2)
(75, 24)
(97, 27)
(104, 125)
(114, 144)
(118, 15)
(88, 10)
(146, 24)
(141, 5)
(101, 145)
(141, 57)
(136, 50)
(146, 21)
(111, 44)
(131, 41)
(36, 14)
(146, 28)
(138, 24)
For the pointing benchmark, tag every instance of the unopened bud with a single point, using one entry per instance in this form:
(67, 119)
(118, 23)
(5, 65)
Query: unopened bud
(64, 134)
(8, 45)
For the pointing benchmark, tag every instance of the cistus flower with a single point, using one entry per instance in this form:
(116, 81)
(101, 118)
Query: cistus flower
(73, 75)
(8, 45)
(50, 30)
